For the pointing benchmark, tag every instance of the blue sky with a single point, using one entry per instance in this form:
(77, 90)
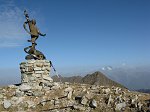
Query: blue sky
(80, 33)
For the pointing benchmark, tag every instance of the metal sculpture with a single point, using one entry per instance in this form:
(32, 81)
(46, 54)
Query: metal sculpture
(34, 32)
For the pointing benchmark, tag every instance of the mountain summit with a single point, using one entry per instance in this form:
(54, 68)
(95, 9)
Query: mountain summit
(96, 78)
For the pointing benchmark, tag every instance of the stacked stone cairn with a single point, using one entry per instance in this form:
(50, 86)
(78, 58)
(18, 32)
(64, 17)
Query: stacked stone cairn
(35, 73)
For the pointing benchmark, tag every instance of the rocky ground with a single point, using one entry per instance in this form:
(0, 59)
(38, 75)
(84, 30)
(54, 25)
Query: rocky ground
(67, 97)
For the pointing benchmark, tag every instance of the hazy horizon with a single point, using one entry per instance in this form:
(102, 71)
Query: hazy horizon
(133, 77)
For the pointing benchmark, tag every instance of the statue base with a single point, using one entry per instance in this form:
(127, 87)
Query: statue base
(35, 72)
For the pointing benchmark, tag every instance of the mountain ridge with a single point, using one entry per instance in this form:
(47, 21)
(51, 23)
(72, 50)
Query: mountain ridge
(96, 78)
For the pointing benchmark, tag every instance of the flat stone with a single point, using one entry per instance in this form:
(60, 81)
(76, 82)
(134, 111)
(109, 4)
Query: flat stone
(47, 78)
(7, 104)
(24, 87)
(31, 61)
(38, 93)
(37, 69)
(19, 93)
(55, 87)
(84, 100)
(39, 72)
(120, 106)
(47, 68)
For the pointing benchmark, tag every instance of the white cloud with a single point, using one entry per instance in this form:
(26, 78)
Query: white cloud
(12, 33)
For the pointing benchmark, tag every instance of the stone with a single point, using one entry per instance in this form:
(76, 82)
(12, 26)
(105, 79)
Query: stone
(37, 93)
(17, 100)
(39, 64)
(30, 104)
(19, 93)
(69, 91)
(106, 91)
(56, 101)
(79, 107)
(48, 78)
(7, 104)
(24, 87)
(39, 72)
(1, 96)
(55, 86)
(84, 100)
(93, 103)
(120, 106)
(89, 95)
(12, 86)
(37, 69)
(117, 90)
(38, 75)
(110, 100)
(38, 88)
(140, 105)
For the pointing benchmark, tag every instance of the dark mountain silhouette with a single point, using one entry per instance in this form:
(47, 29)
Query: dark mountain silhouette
(96, 78)
(144, 90)
(73, 79)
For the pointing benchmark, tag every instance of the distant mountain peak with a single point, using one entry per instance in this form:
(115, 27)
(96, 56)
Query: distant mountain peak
(96, 78)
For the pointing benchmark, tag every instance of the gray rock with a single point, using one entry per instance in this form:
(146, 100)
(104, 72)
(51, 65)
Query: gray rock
(39, 72)
(117, 90)
(37, 69)
(106, 91)
(94, 87)
(55, 86)
(48, 78)
(79, 107)
(93, 103)
(69, 91)
(110, 100)
(7, 104)
(16, 100)
(120, 106)
(140, 105)
(19, 93)
(25, 87)
(30, 104)
(84, 100)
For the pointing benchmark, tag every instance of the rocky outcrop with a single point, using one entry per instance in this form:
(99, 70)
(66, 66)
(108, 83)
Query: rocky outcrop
(67, 97)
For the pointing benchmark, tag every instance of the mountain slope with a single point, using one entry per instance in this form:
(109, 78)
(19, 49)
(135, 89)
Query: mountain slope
(96, 78)
(69, 97)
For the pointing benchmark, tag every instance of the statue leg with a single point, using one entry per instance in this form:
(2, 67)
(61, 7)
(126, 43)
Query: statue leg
(33, 39)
